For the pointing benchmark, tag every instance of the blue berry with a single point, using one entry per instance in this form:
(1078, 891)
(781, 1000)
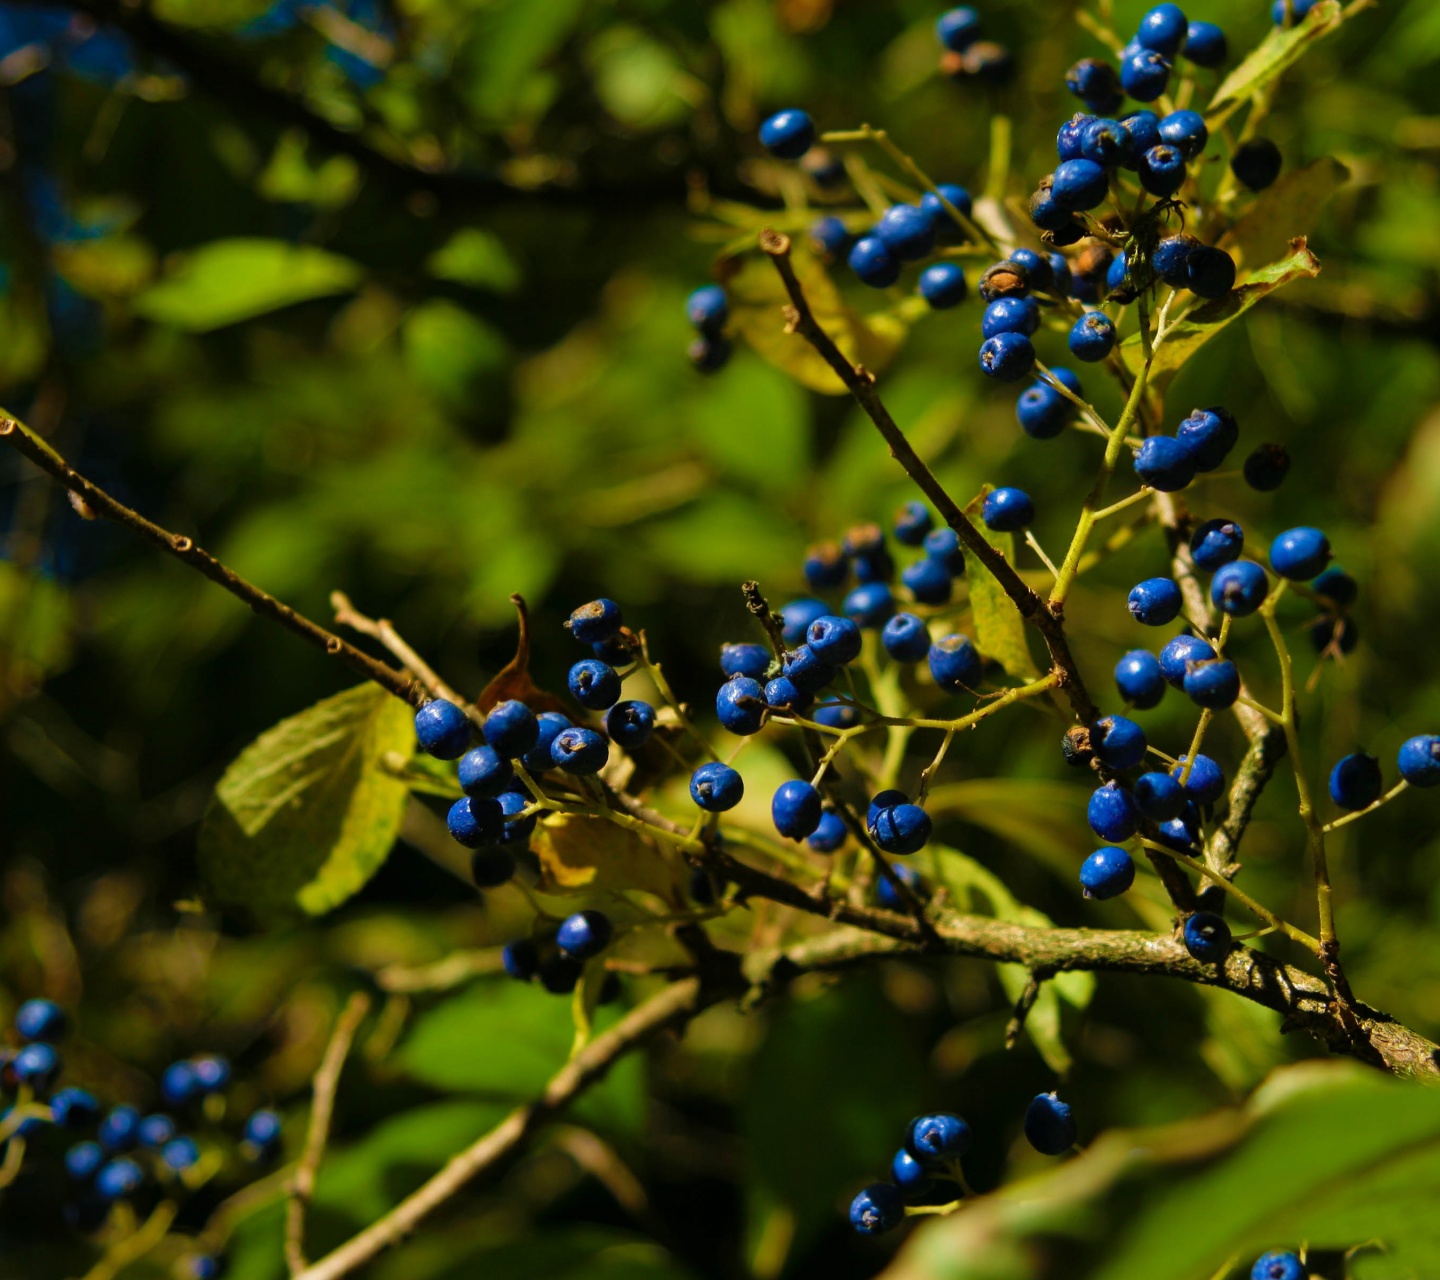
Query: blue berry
(830, 834)
(1010, 315)
(958, 29)
(910, 1175)
(579, 751)
(1183, 833)
(1256, 163)
(1120, 285)
(1049, 1125)
(1267, 467)
(1137, 677)
(1163, 29)
(1336, 586)
(788, 134)
(834, 640)
(825, 566)
(550, 725)
(585, 934)
(1239, 588)
(120, 1129)
(180, 1153)
(784, 695)
(475, 820)
(83, 1159)
(1210, 272)
(1048, 214)
(1105, 142)
(1112, 813)
(1298, 10)
(1007, 510)
(1162, 172)
(1142, 131)
(1205, 44)
(905, 638)
(1214, 684)
(617, 651)
(1043, 413)
(511, 729)
(594, 684)
(947, 230)
(1209, 434)
(902, 829)
(1170, 257)
(873, 263)
(491, 867)
(1159, 796)
(912, 522)
(938, 1138)
(795, 809)
(1107, 873)
(1355, 782)
(1144, 74)
(885, 892)
(864, 541)
(1118, 742)
(875, 566)
(1037, 269)
(207, 1266)
(1176, 657)
(155, 1131)
(40, 1019)
(835, 714)
(178, 1084)
(944, 545)
(74, 1108)
(871, 604)
(1007, 357)
(1206, 783)
(740, 705)
(807, 671)
(955, 664)
(707, 309)
(795, 620)
(262, 1130)
(597, 621)
(521, 959)
(630, 723)
(1163, 463)
(1216, 543)
(879, 1208)
(37, 1064)
(1419, 760)
(1206, 937)
(516, 830)
(710, 355)
(1155, 601)
(1093, 336)
(1278, 1266)
(484, 772)
(906, 230)
(929, 581)
(442, 730)
(943, 285)
(1071, 135)
(1186, 131)
(1300, 554)
(1079, 185)
(830, 238)
(120, 1178)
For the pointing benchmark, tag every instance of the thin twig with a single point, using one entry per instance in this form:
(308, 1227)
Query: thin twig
(381, 629)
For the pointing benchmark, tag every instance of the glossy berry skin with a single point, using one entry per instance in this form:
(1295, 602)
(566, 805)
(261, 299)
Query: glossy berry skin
(1298, 10)
(740, 705)
(1267, 467)
(958, 29)
(1050, 1125)
(1419, 760)
(83, 1159)
(943, 545)
(475, 820)
(1355, 781)
(784, 695)
(795, 809)
(1155, 602)
(1007, 510)
(550, 725)
(834, 640)
(877, 1209)
(630, 723)
(1216, 543)
(902, 829)
(1176, 656)
(947, 230)
(1144, 74)
(1093, 336)
(806, 670)
(788, 134)
(1300, 554)
(1112, 813)
(1079, 185)
(521, 959)
(1239, 588)
(707, 309)
(929, 581)
(1214, 684)
(1186, 131)
(37, 1065)
(1170, 257)
(1162, 170)
(1010, 315)
(1163, 29)
(825, 566)
(830, 834)
(1256, 163)
(511, 729)
(594, 684)
(870, 605)
(935, 1139)
(180, 1153)
(120, 1178)
(585, 934)
(1118, 742)
(1037, 269)
(262, 1130)
(517, 830)
(1277, 1266)
(910, 1175)
(1007, 357)
(1094, 82)
(873, 263)
(905, 638)
(484, 772)
(1336, 586)
(1210, 272)
(1107, 873)
(906, 230)
(882, 800)
(442, 730)
(1159, 796)
(912, 522)
(943, 285)
(795, 620)
(835, 714)
(155, 1131)
(1209, 435)
(74, 1108)
(1043, 413)
(1070, 136)
(1206, 783)
(1119, 284)
(1206, 937)
(955, 664)
(596, 621)
(1182, 833)
(1164, 463)
(1104, 141)
(1142, 129)
(1138, 679)
(1205, 44)
(579, 751)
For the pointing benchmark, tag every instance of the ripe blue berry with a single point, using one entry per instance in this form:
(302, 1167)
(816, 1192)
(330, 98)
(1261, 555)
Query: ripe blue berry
(873, 263)
(879, 1208)
(1164, 463)
(120, 1129)
(1107, 873)
(830, 238)
(1137, 677)
(1120, 282)
(1155, 601)
(835, 714)
(549, 726)
(1210, 272)
(806, 671)
(1300, 554)
(475, 820)
(120, 1178)
(1050, 1125)
(1093, 336)
(1007, 510)
(1118, 741)
(902, 829)
(947, 230)
(1298, 10)
(40, 1019)
(1048, 214)
(1214, 684)
(521, 959)
(912, 522)
(1185, 130)
(1239, 588)
(442, 730)
(1007, 357)
(834, 640)
(1256, 163)
(1163, 29)
(630, 723)
(180, 1153)
(178, 1084)
(707, 309)
(1071, 135)
(1216, 543)
(1277, 1266)
(784, 695)
(74, 1108)
(212, 1072)
(517, 830)
(871, 605)
(585, 934)
(710, 355)
(1267, 466)
(1205, 44)
(939, 1138)
(1355, 782)
(943, 545)
(1144, 74)
(37, 1064)
(1209, 434)
(825, 566)
(1170, 257)
(882, 800)
(943, 285)
(484, 772)
(1159, 796)
(1106, 142)
(511, 729)
(1079, 185)
(595, 622)
(906, 230)
(1095, 83)
(910, 1175)
(1419, 760)
(579, 751)
(929, 581)
(1176, 656)
(795, 809)
(905, 638)
(83, 1159)
(864, 540)
(1043, 413)
(1112, 813)
(1206, 783)
(1037, 269)
(830, 834)
(207, 1266)
(1182, 833)
(155, 1131)
(262, 1133)
(1206, 937)
(788, 134)
(795, 620)
(594, 684)
(885, 892)
(740, 705)
(1142, 131)
(1010, 315)
(958, 29)
(955, 664)
(1162, 172)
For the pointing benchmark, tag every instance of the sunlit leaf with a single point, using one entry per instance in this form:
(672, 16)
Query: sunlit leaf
(476, 258)
(999, 628)
(1280, 50)
(581, 854)
(1289, 208)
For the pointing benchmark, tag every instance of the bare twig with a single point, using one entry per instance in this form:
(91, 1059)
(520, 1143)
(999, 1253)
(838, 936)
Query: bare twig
(382, 630)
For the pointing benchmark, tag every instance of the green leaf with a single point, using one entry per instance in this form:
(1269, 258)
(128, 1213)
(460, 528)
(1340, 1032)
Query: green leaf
(306, 814)
(476, 258)
(227, 281)
(755, 425)
(999, 628)
(37, 622)
(1280, 50)
(448, 350)
(1289, 208)
(1045, 819)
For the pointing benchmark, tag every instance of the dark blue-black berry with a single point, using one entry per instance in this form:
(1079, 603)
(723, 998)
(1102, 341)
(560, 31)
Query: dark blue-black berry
(1162, 172)
(788, 134)
(795, 809)
(1267, 467)
(630, 723)
(1107, 873)
(584, 934)
(1138, 678)
(1155, 601)
(1206, 937)
(1256, 163)
(877, 1209)
(1355, 781)
(1210, 272)
(912, 522)
(442, 730)
(1049, 1125)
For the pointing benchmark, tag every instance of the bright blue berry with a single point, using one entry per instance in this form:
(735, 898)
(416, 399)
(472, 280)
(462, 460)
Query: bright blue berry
(442, 730)
(795, 620)
(1209, 434)
(517, 829)
(180, 1153)
(906, 230)
(1010, 315)
(491, 867)
(1298, 10)
(902, 829)
(1355, 782)
(484, 772)
(879, 1208)
(599, 620)
(1205, 44)
(1186, 131)
(929, 581)
(1162, 172)
(830, 834)
(1071, 135)
(1214, 684)
(740, 705)
(74, 1108)
(1159, 796)
(834, 640)
(521, 959)
(1277, 1266)
(511, 729)
(955, 664)
(1144, 74)
(1105, 142)
(262, 1131)
(1206, 937)
(1120, 285)
(707, 309)
(1112, 813)
(1206, 783)
(155, 1131)
(825, 566)
(37, 1064)
(1079, 185)
(1216, 543)
(1107, 873)
(1007, 357)
(881, 801)
(550, 725)
(1239, 588)
(1419, 760)
(40, 1019)
(1176, 656)
(579, 751)
(938, 1138)
(958, 29)
(1155, 601)
(585, 934)
(944, 545)
(83, 1159)
(807, 671)
(873, 263)
(475, 820)
(120, 1129)
(1042, 411)
(1007, 510)
(207, 1266)
(1163, 29)
(1183, 833)
(912, 522)
(178, 1083)
(1300, 554)
(1137, 677)
(910, 1175)
(795, 809)
(1164, 463)
(835, 714)
(120, 1178)
(943, 285)
(630, 723)
(784, 695)
(594, 684)
(1142, 129)
(1256, 163)
(871, 604)
(1037, 269)
(1170, 258)
(1118, 742)
(1210, 272)
(1093, 336)
(788, 134)
(1049, 1125)
(947, 230)
(905, 638)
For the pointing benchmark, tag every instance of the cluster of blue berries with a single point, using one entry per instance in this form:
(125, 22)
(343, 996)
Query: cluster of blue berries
(966, 55)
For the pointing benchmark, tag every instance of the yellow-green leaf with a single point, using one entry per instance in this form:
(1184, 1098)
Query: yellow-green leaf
(1280, 50)
(999, 628)
(581, 855)
(1288, 209)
